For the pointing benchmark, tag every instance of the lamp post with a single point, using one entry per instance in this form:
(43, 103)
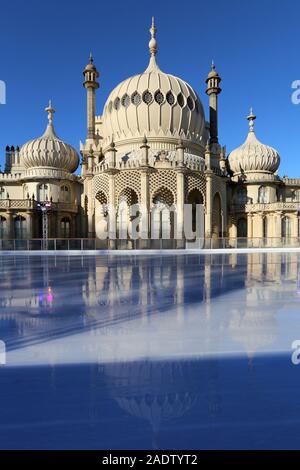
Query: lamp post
(44, 207)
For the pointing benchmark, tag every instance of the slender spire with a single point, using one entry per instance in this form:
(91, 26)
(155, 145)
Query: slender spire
(50, 132)
(152, 48)
(91, 58)
(251, 118)
(153, 42)
(50, 112)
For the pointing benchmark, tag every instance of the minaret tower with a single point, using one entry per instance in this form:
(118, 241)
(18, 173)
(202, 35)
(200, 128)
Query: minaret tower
(90, 83)
(213, 81)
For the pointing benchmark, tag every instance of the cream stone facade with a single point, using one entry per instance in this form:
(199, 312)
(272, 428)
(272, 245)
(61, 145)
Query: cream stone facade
(153, 149)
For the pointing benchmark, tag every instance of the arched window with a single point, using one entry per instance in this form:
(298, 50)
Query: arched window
(64, 194)
(286, 227)
(123, 218)
(20, 227)
(43, 194)
(2, 227)
(278, 195)
(126, 213)
(263, 195)
(65, 227)
(162, 217)
(242, 228)
(217, 228)
(241, 196)
(2, 193)
(195, 198)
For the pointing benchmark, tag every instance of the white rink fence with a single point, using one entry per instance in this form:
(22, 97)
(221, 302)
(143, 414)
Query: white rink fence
(95, 244)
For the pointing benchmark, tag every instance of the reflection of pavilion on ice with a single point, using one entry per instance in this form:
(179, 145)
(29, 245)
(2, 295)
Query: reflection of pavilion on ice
(160, 391)
(118, 289)
(165, 292)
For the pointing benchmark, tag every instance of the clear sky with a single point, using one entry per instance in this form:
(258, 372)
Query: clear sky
(44, 47)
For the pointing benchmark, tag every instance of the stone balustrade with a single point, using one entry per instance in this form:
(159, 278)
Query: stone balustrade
(10, 176)
(291, 181)
(135, 164)
(268, 207)
(27, 204)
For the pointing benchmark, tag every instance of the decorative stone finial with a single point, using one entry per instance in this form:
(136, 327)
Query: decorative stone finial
(50, 112)
(153, 42)
(153, 49)
(251, 119)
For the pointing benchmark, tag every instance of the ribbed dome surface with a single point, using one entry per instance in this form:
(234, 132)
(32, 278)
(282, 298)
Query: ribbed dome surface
(49, 151)
(156, 104)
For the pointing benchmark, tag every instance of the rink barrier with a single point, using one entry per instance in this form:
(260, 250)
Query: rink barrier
(201, 245)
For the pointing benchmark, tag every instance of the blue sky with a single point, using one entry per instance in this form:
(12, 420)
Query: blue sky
(45, 46)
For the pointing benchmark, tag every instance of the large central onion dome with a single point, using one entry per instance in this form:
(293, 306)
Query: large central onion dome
(49, 151)
(253, 157)
(155, 104)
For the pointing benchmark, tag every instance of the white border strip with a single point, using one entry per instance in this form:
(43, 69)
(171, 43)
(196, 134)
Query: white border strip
(163, 252)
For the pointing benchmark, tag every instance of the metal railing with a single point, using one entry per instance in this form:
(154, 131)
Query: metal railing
(82, 244)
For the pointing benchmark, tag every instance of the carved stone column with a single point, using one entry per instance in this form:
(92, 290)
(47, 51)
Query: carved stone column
(112, 219)
(29, 225)
(10, 224)
(249, 225)
(278, 227)
(145, 204)
(209, 203)
(180, 208)
(90, 208)
(58, 228)
(294, 225)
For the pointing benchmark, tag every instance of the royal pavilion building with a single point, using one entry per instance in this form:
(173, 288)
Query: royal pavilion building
(153, 149)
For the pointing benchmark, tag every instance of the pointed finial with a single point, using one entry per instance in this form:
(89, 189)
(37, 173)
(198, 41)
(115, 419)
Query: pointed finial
(153, 42)
(153, 49)
(50, 112)
(213, 67)
(91, 58)
(153, 28)
(251, 118)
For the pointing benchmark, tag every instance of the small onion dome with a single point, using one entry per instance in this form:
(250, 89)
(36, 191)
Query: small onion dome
(49, 151)
(213, 73)
(253, 156)
(90, 66)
